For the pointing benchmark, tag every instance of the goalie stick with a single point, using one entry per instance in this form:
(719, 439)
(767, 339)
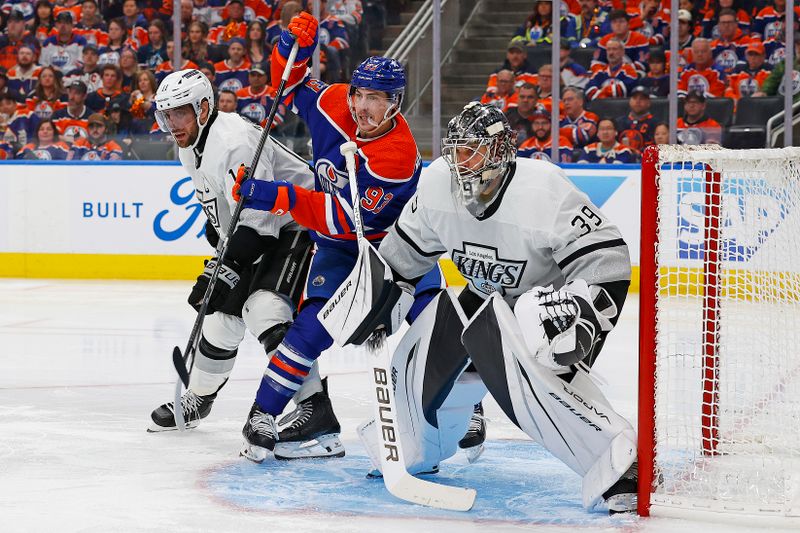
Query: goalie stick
(398, 481)
(183, 361)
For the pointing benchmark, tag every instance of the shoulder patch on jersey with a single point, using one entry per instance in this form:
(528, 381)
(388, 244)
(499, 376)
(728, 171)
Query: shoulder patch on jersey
(315, 84)
(393, 156)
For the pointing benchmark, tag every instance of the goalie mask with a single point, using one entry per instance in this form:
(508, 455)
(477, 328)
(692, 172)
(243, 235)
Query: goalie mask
(179, 103)
(479, 149)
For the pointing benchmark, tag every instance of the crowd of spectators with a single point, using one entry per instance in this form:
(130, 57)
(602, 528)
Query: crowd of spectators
(729, 49)
(78, 77)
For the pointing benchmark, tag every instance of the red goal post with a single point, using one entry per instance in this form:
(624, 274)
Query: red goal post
(719, 363)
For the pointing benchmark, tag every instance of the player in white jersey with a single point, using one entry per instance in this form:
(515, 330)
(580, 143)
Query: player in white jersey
(525, 239)
(263, 272)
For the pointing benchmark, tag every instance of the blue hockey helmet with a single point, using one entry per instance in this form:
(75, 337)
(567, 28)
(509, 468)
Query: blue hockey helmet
(384, 74)
(380, 74)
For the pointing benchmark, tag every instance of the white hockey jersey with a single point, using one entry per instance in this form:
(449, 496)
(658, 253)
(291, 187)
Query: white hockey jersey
(226, 143)
(540, 231)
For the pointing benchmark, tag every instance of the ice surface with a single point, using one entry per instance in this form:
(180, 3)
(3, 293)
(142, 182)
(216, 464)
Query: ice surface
(82, 365)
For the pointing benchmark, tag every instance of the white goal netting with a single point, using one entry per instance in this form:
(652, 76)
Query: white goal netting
(727, 353)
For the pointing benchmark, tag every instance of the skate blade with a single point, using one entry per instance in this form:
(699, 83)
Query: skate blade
(323, 447)
(622, 503)
(257, 454)
(473, 452)
(155, 428)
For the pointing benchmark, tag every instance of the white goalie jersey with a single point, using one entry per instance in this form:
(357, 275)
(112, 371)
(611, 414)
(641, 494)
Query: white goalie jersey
(224, 144)
(540, 231)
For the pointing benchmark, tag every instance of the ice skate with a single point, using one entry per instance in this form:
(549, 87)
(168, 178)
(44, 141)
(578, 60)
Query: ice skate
(621, 497)
(195, 408)
(259, 435)
(473, 440)
(310, 431)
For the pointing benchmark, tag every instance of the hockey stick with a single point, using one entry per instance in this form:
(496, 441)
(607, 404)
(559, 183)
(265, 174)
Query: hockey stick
(398, 481)
(184, 361)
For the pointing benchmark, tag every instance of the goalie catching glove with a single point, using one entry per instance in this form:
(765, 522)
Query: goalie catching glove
(569, 320)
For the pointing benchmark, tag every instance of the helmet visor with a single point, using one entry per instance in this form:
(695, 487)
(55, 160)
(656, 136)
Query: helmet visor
(178, 118)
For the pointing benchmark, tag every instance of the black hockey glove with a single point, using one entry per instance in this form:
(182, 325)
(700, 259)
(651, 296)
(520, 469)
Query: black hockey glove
(226, 282)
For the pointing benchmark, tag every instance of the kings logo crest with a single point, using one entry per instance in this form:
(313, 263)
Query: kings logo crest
(485, 270)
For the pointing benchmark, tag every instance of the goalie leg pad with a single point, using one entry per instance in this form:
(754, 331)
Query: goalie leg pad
(433, 406)
(216, 354)
(574, 422)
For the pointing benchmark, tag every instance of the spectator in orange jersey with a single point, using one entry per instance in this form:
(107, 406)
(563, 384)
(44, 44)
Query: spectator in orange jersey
(650, 20)
(504, 97)
(233, 26)
(519, 117)
(72, 121)
(96, 147)
(48, 95)
(578, 125)
(638, 125)
(14, 37)
(636, 45)
(517, 62)
(545, 84)
(43, 21)
(710, 24)
(748, 78)
(694, 127)
(728, 49)
(45, 145)
(769, 22)
(607, 149)
(702, 75)
(540, 144)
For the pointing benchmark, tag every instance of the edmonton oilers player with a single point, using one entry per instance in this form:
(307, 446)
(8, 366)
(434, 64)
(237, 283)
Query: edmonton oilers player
(388, 165)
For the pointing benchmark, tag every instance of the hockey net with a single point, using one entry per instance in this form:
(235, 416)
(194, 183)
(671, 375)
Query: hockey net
(719, 380)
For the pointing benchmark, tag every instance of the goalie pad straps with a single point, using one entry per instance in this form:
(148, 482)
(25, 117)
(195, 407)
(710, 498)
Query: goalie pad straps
(572, 420)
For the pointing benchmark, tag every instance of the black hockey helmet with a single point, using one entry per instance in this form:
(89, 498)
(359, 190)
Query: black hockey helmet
(479, 148)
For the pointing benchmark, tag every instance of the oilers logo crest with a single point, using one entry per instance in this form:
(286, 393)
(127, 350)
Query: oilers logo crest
(727, 60)
(795, 83)
(485, 270)
(231, 84)
(331, 179)
(60, 59)
(43, 110)
(255, 112)
(91, 155)
(747, 87)
(43, 154)
(697, 83)
(541, 156)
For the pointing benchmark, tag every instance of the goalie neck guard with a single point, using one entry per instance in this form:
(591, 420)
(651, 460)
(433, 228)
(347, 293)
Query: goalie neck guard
(185, 87)
(479, 149)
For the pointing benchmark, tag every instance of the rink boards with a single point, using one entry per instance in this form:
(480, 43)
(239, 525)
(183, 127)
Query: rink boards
(140, 220)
